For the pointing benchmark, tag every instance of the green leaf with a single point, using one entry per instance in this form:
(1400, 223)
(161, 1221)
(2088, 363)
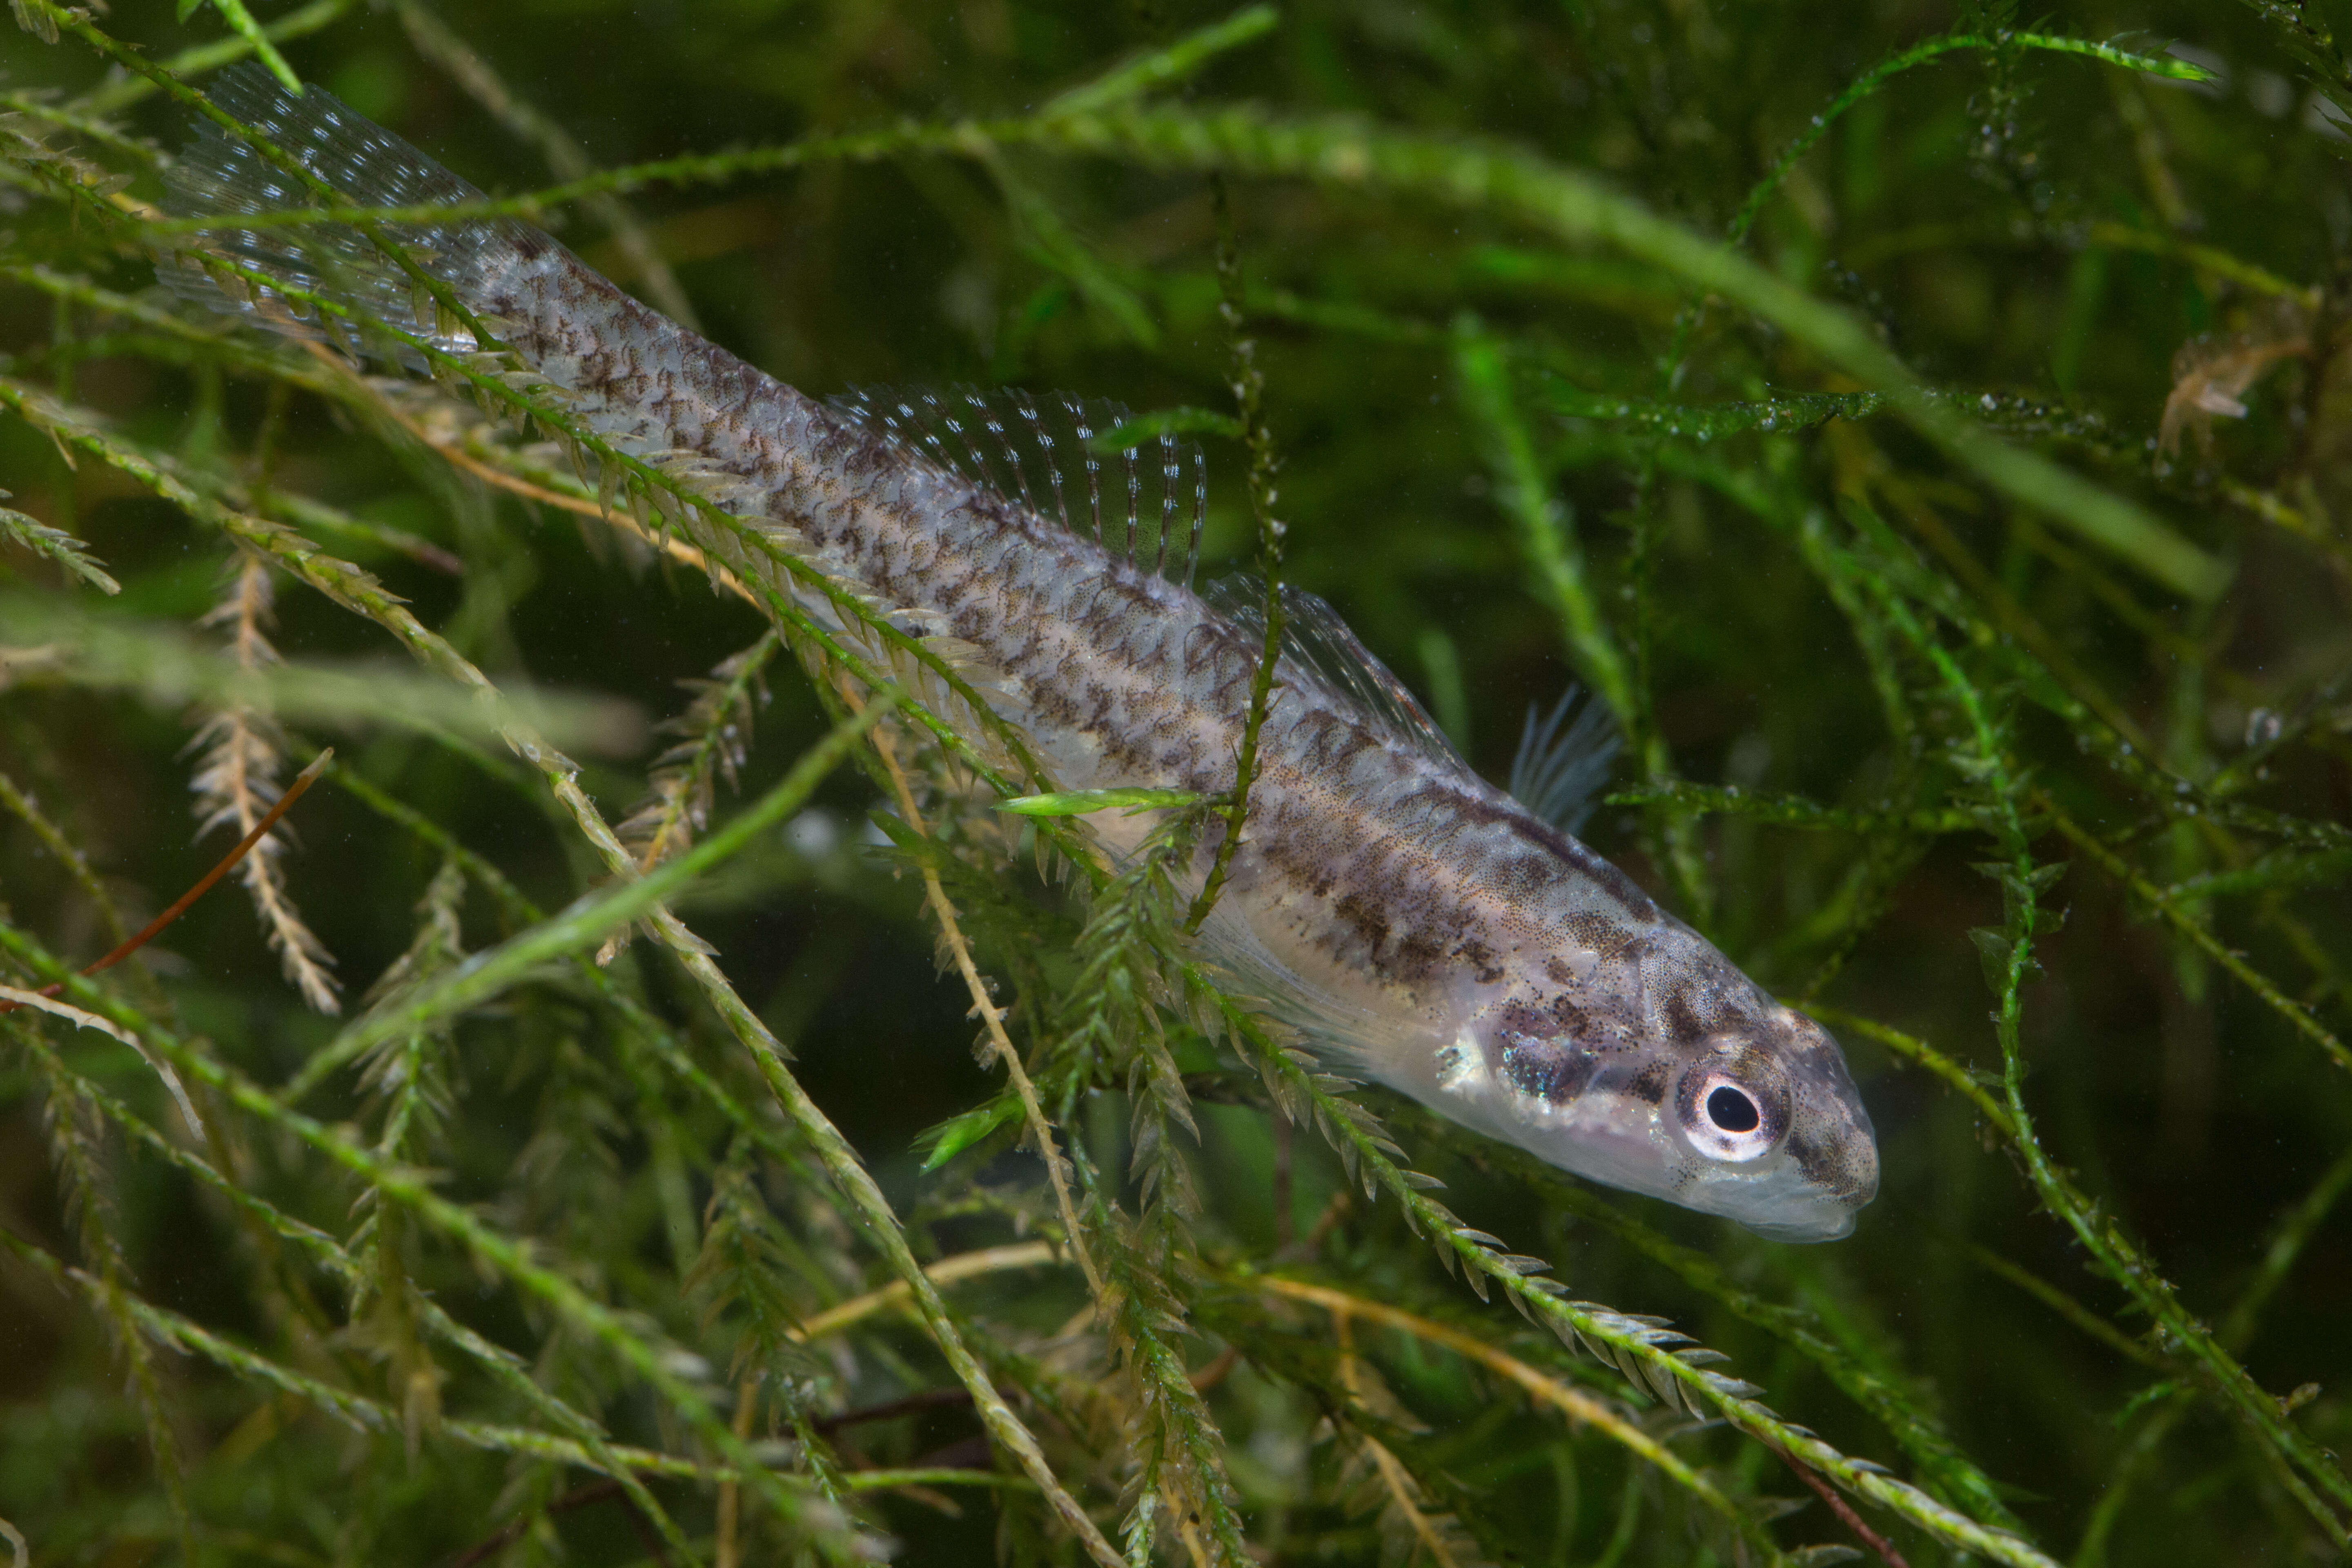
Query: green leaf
(58, 545)
(1078, 803)
(1052, 244)
(958, 1134)
(1993, 948)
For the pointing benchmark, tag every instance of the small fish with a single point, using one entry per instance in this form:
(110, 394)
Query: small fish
(1416, 925)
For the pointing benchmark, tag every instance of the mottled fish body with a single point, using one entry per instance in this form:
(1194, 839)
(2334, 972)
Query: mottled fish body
(1418, 925)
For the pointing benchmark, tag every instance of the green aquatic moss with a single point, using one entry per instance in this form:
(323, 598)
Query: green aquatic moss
(1921, 430)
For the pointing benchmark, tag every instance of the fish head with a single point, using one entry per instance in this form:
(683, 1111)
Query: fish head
(1776, 1132)
(1676, 1076)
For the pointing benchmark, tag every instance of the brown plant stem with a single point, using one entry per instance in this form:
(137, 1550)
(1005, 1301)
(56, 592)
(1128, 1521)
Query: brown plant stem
(154, 928)
(1843, 1509)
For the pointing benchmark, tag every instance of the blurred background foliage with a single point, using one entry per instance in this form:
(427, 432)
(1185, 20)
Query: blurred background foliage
(2099, 1307)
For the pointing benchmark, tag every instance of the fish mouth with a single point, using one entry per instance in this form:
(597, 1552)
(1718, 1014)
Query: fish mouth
(1816, 1218)
(1787, 1206)
(1820, 1212)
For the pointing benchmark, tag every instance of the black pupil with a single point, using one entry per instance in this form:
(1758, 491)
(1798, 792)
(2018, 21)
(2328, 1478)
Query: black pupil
(1732, 1110)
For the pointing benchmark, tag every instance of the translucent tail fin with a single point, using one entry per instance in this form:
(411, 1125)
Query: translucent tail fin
(366, 165)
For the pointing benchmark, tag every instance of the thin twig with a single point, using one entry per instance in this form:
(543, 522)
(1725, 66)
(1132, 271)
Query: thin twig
(1843, 1509)
(728, 1552)
(238, 773)
(227, 863)
(1041, 1132)
(1571, 1402)
(1220, 1366)
(457, 457)
(947, 1271)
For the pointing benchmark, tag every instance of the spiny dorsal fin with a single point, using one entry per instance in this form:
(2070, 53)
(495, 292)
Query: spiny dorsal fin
(1563, 763)
(1315, 635)
(1145, 503)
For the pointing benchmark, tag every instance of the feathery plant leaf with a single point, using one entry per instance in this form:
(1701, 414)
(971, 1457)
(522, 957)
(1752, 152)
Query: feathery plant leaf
(236, 783)
(716, 730)
(54, 544)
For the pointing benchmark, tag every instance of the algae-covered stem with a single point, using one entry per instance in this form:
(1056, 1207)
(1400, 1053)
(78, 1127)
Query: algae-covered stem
(1249, 399)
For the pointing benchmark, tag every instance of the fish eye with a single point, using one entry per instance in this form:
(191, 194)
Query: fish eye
(1732, 1111)
(1731, 1118)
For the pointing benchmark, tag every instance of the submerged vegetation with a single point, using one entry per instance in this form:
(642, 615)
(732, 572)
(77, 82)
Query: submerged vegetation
(648, 1103)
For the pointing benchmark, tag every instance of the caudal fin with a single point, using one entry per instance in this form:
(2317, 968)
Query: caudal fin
(221, 173)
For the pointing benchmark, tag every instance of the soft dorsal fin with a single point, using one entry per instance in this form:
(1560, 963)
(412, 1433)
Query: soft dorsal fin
(1315, 635)
(1145, 503)
(1563, 762)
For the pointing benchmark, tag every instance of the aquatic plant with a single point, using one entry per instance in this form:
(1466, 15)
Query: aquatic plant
(1924, 434)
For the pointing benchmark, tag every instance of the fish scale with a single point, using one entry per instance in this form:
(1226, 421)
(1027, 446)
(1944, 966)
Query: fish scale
(1413, 923)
